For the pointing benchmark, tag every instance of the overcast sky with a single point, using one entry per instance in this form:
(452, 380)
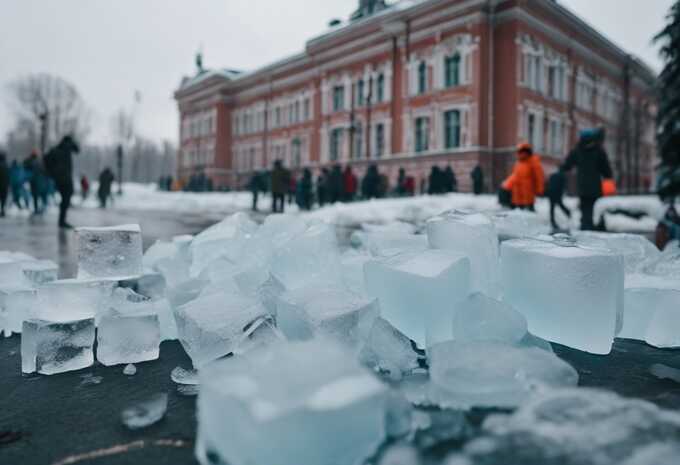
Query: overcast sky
(110, 49)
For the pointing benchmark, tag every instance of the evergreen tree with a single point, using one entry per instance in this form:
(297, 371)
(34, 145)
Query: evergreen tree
(668, 117)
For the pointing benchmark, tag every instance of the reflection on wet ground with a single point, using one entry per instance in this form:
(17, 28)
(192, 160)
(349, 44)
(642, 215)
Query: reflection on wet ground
(40, 237)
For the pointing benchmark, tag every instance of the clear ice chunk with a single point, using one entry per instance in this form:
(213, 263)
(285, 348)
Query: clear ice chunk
(111, 252)
(481, 318)
(389, 352)
(352, 270)
(493, 374)
(16, 305)
(48, 347)
(39, 272)
(180, 375)
(146, 413)
(518, 224)
(418, 291)
(259, 408)
(389, 244)
(213, 326)
(641, 305)
(569, 294)
(664, 328)
(12, 274)
(124, 338)
(636, 249)
(473, 235)
(337, 313)
(224, 239)
(130, 370)
(312, 256)
(71, 299)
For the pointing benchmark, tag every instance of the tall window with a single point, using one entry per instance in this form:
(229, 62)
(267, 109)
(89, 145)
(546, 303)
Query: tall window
(361, 100)
(554, 137)
(297, 111)
(452, 71)
(277, 117)
(379, 140)
(336, 144)
(422, 134)
(296, 152)
(380, 91)
(452, 129)
(307, 110)
(358, 141)
(422, 77)
(531, 129)
(338, 98)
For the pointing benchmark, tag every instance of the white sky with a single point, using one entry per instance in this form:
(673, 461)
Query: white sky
(111, 48)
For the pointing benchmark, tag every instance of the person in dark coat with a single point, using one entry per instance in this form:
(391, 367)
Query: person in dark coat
(477, 176)
(370, 185)
(4, 182)
(335, 185)
(349, 184)
(557, 183)
(280, 181)
(401, 183)
(592, 166)
(106, 179)
(304, 190)
(435, 183)
(292, 187)
(17, 179)
(59, 164)
(322, 187)
(256, 185)
(450, 181)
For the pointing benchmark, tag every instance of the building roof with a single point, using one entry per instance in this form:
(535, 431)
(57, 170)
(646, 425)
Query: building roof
(223, 73)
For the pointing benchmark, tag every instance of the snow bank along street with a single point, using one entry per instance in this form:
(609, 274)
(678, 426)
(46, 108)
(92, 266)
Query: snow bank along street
(367, 354)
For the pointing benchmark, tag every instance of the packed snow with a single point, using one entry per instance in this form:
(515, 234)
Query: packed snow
(297, 339)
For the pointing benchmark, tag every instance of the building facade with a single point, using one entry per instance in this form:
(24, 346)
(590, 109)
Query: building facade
(422, 83)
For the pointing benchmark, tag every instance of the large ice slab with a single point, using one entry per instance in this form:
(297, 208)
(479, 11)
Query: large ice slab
(127, 337)
(312, 256)
(493, 374)
(213, 326)
(12, 274)
(71, 299)
(388, 243)
(49, 348)
(110, 252)
(576, 426)
(224, 239)
(327, 311)
(473, 235)
(641, 306)
(389, 352)
(297, 403)
(418, 291)
(569, 294)
(664, 327)
(636, 250)
(481, 318)
(518, 224)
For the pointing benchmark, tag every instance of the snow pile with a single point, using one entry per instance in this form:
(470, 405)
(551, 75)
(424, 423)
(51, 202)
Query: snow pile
(298, 341)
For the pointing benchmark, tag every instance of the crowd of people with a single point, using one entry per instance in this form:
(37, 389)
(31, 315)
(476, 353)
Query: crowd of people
(336, 184)
(34, 182)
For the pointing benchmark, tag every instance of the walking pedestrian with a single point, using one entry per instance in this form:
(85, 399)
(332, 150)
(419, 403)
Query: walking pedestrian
(592, 167)
(279, 181)
(349, 181)
(106, 179)
(4, 183)
(477, 176)
(527, 179)
(557, 183)
(450, 180)
(292, 186)
(335, 184)
(17, 179)
(59, 165)
(322, 187)
(255, 186)
(371, 183)
(84, 187)
(436, 183)
(304, 190)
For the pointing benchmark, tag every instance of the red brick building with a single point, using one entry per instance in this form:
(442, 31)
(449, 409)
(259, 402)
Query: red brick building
(422, 83)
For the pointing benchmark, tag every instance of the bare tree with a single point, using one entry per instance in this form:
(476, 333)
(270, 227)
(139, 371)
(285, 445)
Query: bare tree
(123, 127)
(49, 105)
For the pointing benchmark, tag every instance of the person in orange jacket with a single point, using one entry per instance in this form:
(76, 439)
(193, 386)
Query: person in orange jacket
(527, 180)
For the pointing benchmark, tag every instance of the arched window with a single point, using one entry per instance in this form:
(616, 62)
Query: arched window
(452, 70)
(422, 77)
(296, 153)
(358, 141)
(452, 129)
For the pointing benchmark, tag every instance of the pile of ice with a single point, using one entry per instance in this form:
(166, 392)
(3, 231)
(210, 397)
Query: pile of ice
(298, 340)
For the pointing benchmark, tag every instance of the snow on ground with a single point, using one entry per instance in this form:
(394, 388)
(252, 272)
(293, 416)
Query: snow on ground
(412, 209)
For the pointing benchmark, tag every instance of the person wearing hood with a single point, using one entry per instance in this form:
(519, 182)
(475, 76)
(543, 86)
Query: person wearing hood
(592, 167)
(527, 180)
